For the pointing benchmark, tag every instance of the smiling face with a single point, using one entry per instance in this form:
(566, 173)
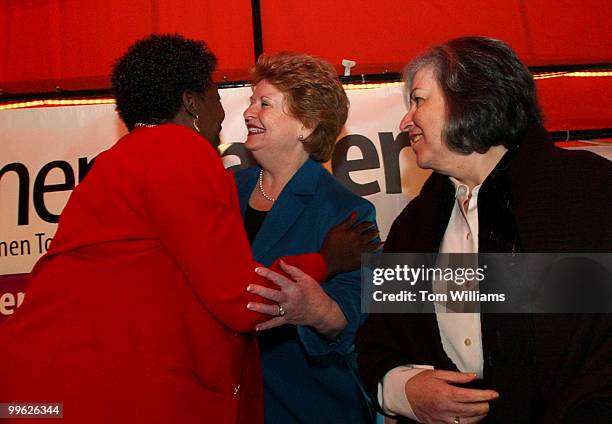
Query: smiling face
(425, 122)
(270, 126)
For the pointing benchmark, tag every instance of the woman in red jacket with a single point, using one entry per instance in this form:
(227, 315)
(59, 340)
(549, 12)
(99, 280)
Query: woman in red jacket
(138, 311)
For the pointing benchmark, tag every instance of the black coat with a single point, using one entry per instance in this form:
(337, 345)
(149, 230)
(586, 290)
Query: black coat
(548, 368)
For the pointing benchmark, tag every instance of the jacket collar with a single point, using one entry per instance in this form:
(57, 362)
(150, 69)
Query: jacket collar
(288, 206)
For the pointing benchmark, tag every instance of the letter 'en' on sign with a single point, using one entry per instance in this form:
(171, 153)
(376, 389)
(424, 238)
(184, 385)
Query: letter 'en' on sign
(41, 187)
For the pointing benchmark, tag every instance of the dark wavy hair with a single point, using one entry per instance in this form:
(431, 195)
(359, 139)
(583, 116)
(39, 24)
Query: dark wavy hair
(490, 95)
(149, 80)
(313, 93)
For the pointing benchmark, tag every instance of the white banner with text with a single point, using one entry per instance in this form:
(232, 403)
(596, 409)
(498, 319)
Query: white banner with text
(47, 151)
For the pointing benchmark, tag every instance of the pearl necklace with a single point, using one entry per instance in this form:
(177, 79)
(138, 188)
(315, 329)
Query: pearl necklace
(261, 189)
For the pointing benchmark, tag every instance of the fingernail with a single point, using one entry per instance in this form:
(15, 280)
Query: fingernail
(249, 288)
(258, 270)
(257, 328)
(249, 306)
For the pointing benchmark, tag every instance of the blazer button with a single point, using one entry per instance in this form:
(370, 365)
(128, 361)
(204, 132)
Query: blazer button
(236, 389)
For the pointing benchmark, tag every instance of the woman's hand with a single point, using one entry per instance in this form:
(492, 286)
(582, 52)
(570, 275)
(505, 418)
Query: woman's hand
(434, 399)
(300, 301)
(344, 244)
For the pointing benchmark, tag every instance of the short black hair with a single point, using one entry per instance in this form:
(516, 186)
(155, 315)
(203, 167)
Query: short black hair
(149, 80)
(490, 95)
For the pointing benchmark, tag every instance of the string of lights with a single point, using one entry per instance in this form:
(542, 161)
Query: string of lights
(349, 86)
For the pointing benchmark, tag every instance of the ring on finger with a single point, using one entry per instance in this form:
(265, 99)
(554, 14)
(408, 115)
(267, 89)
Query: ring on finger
(281, 311)
(456, 420)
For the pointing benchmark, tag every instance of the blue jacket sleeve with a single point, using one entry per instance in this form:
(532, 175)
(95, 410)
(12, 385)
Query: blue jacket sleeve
(345, 290)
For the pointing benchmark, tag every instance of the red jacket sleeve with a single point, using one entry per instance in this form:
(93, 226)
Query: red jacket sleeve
(194, 207)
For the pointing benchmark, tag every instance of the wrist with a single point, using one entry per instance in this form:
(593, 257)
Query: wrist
(329, 320)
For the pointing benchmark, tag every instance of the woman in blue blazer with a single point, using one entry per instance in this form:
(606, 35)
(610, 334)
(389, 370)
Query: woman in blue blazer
(289, 202)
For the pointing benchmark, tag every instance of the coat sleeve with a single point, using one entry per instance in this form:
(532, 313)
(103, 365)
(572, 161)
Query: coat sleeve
(345, 290)
(193, 206)
(378, 352)
(378, 349)
(586, 397)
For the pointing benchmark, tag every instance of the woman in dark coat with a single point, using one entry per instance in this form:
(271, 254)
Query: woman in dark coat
(499, 185)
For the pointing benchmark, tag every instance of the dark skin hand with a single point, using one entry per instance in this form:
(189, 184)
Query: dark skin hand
(344, 244)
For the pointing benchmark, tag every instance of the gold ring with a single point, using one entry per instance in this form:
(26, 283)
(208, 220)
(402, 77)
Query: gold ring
(281, 311)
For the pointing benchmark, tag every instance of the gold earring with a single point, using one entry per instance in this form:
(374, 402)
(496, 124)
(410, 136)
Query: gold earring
(195, 123)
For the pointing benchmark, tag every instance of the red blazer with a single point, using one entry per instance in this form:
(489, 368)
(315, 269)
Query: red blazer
(138, 311)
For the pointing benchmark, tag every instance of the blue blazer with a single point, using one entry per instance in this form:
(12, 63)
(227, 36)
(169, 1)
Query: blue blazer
(308, 378)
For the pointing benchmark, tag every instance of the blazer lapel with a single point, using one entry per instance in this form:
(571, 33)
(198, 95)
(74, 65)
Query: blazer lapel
(288, 207)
